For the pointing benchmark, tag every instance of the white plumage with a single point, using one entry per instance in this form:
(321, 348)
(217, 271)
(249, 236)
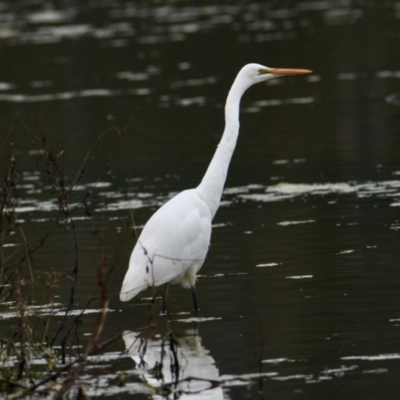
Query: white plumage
(174, 243)
(174, 251)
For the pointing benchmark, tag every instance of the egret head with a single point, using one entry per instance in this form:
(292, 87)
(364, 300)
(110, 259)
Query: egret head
(255, 73)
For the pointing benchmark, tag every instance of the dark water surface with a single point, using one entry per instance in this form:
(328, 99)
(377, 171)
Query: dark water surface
(299, 294)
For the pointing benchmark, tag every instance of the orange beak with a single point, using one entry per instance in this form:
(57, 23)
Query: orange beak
(285, 71)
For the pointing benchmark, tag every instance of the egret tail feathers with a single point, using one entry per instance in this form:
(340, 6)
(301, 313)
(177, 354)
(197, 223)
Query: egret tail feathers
(128, 291)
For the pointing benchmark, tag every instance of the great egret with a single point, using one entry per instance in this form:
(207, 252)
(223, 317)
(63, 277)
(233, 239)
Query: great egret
(174, 243)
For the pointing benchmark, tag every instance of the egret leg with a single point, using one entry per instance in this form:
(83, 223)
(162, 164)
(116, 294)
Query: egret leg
(194, 297)
(164, 299)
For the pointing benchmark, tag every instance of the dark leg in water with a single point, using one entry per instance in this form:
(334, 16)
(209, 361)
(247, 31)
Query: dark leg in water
(194, 297)
(164, 299)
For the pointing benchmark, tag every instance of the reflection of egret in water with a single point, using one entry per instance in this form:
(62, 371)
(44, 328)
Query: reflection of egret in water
(177, 367)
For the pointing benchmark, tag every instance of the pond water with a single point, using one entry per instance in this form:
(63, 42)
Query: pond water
(299, 293)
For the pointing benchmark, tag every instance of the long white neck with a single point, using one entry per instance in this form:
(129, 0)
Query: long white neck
(212, 185)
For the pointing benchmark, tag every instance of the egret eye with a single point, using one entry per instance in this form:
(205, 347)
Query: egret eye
(262, 71)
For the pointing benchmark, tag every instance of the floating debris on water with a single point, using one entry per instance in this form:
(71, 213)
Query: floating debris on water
(273, 264)
(287, 223)
(379, 357)
(346, 252)
(277, 360)
(199, 319)
(376, 371)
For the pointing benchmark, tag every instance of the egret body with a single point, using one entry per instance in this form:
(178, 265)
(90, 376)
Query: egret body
(174, 243)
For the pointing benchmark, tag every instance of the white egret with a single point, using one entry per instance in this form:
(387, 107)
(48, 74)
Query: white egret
(174, 243)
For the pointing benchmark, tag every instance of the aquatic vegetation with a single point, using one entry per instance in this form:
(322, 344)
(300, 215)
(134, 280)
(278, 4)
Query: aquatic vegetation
(41, 351)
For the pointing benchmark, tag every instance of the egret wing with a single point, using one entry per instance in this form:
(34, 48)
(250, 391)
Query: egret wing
(174, 240)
